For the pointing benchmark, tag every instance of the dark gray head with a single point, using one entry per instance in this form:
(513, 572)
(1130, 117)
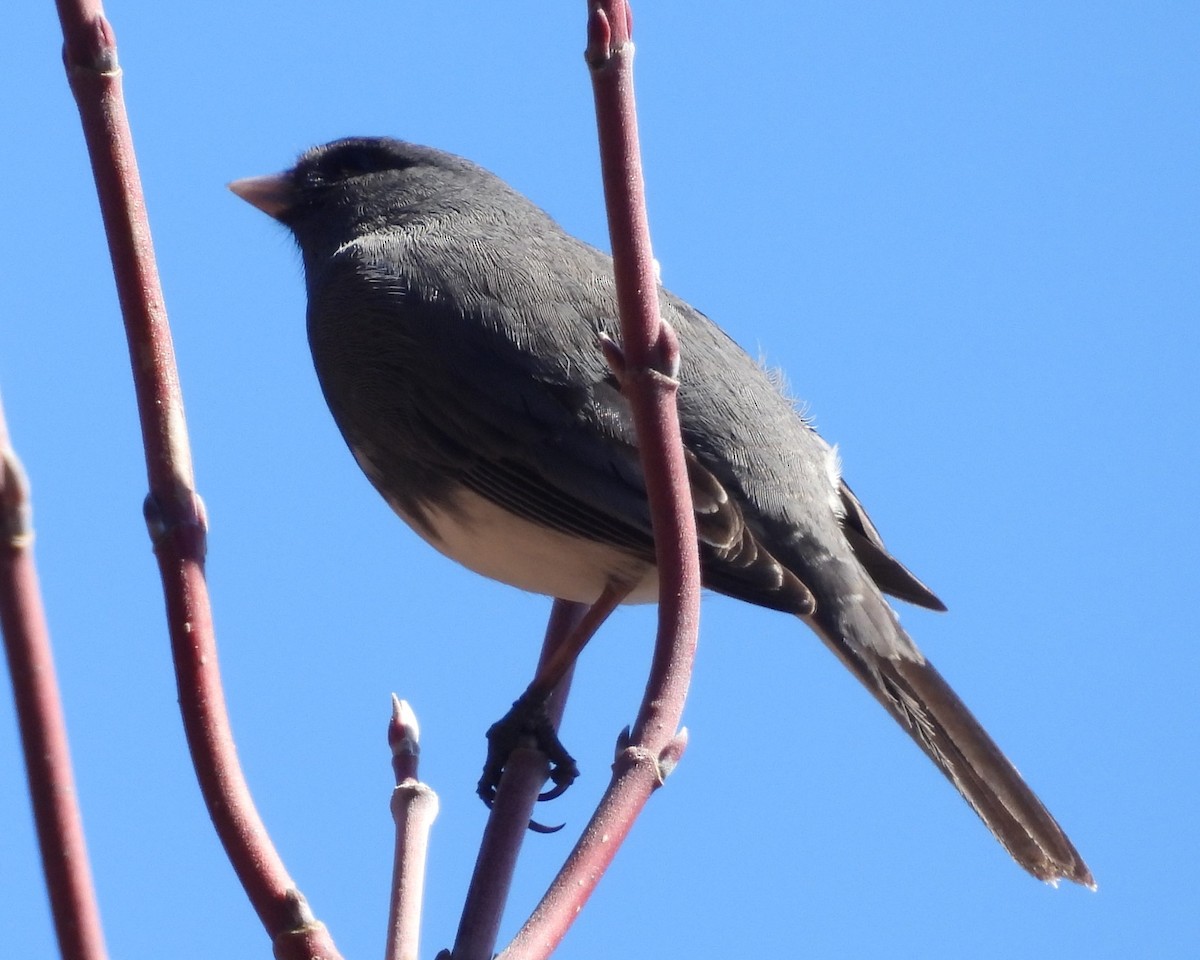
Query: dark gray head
(359, 184)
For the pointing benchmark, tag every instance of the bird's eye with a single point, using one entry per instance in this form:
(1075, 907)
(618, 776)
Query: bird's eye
(351, 158)
(335, 170)
(356, 163)
(348, 159)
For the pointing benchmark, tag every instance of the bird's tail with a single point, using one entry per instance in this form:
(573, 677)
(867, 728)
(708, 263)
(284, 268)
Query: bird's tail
(922, 702)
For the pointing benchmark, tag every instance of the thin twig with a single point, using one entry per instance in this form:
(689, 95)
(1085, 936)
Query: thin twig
(651, 362)
(414, 808)
(646, 364)
(174, 512)
(43, 727)
(508, 822)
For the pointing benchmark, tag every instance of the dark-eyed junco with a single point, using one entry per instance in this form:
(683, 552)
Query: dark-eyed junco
(455, 330)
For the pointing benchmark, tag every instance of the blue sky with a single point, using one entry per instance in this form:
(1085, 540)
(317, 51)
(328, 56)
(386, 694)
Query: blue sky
(969, 235)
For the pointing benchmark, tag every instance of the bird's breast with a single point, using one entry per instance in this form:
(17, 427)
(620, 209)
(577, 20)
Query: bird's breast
(500, 545)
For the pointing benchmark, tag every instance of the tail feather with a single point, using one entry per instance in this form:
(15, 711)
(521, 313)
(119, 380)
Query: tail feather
(922, 702)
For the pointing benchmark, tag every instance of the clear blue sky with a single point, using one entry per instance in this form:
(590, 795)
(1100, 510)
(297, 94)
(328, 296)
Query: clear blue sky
(967, 233)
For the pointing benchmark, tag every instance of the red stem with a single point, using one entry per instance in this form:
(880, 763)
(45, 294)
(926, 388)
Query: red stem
(646, 364)
(174, 512)
(651, 360)
(508, 823)
(414, 808)
(43, 728)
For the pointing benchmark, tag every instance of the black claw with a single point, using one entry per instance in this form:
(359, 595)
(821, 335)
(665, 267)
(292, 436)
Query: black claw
(526, 724)
(485, 793)
(553, 793)
(563, 772)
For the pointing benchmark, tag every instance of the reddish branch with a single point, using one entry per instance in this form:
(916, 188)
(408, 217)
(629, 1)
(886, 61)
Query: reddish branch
(651, 361)
(174, 513)
(507, 826)
(646, 364)
(414, 807)
(40, 718)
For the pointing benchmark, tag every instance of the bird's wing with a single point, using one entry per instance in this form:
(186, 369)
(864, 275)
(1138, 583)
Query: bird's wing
(551, 437)
(889, 574)
(573, 465)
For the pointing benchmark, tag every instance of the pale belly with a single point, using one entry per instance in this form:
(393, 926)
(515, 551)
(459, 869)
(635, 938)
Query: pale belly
(501, 546)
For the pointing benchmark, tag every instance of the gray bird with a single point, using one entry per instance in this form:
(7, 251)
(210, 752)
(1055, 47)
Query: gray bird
(455, 328)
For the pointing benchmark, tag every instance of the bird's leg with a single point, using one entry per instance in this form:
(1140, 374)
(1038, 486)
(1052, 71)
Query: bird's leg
(528, 721)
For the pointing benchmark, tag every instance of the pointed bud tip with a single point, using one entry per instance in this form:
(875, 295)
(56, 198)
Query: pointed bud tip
(404, 733)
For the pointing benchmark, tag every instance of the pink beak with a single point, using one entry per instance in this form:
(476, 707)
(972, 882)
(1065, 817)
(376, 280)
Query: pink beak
(272, 194)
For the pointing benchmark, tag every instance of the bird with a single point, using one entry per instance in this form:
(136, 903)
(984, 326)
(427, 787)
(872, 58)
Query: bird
(456, 332)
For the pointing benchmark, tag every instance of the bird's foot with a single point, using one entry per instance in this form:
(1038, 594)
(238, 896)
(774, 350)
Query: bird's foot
(525, 725)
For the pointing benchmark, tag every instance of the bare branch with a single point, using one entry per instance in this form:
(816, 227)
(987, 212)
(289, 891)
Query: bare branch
(507, 826)
(646, 364)
(414, 808)
(174, 512)
(43, 727)
(650, 364)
